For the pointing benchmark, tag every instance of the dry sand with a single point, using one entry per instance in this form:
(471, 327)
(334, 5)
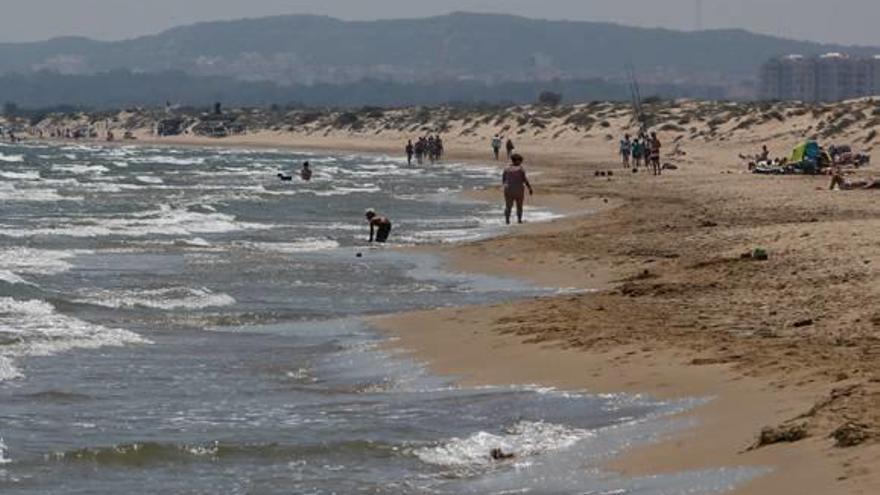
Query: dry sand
(791, 342)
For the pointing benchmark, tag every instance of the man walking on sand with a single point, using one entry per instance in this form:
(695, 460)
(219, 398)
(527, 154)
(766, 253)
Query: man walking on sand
(510, 148)
(654, 146)
(625, 150)
(515, 183)
(496, 146)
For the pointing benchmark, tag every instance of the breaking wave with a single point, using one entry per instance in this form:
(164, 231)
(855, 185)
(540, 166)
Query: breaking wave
(524, 439)
(11, 158)
(165, 220)
(35, 328)
(167, 299)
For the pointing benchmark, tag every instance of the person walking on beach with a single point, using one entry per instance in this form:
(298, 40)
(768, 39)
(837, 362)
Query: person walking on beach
(625, 150)
(496, 146)
(637, 152)
(306, 172)
(438, 143)
(380, 226)
(510, 148)
(410, 151)
(515, 183)
(432, 149)
(655, 154)
(420, 150)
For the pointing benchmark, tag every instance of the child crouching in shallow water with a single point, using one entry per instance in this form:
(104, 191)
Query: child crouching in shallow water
(380, 226)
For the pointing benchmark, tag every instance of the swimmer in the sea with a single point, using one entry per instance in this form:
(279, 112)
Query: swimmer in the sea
(306, 172)
(500, 455)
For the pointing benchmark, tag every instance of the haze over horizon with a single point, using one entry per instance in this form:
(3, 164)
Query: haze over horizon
(845, 21)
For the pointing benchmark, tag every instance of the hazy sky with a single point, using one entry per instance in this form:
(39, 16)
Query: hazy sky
(843, 21)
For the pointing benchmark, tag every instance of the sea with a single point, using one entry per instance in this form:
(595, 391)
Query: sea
(180, 321)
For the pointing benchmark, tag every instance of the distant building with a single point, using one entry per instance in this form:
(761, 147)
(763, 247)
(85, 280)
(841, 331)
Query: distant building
(829, 77)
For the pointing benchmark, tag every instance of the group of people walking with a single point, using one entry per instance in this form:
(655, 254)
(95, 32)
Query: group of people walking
(430, 147)
(644, 149)
(497, 141)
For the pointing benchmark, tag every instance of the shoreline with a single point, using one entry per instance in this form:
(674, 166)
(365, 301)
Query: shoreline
(463, 342)
(495, 344)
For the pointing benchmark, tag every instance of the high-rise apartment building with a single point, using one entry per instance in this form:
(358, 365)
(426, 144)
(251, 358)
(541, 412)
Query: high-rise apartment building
(829, 77)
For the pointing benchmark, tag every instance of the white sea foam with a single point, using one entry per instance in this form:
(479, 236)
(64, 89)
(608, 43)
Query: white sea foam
(101, 187)
(167, 299)
(29, 175)
(9, 192)
(163, 221)
(197, 242)
(344, 191)
(444, 236)
(78, 169)
(11, 278)
(11, 158)
(4, 450)
(168, 160)
(525, 439)
(301, 246)
(120, 152)
(35, 328)
(149, 179)
(8, 371)
(37, 261)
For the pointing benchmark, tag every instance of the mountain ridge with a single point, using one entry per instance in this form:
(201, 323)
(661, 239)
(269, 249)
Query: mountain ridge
(491, 47)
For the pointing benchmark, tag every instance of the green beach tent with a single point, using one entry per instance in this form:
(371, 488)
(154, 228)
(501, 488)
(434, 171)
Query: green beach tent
(808, 150)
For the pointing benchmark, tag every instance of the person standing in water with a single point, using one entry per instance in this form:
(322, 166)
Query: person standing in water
(438, 143)
(380, 226)
(432, 149)
(410, 151)
(306, 172)
(515, 184)
(420, 149)
(496, 146)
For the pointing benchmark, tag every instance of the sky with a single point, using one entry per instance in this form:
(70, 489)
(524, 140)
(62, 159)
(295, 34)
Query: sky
(838, 21)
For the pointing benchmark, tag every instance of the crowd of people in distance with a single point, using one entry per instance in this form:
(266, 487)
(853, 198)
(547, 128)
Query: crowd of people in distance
(430, 147)
(643, 150)
(515, 182)
(10, 135)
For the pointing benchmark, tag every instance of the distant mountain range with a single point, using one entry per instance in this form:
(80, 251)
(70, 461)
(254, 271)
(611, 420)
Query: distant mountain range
(302, 48)
(489, 49)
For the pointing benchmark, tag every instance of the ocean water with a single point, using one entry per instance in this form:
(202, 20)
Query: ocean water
(180, 321)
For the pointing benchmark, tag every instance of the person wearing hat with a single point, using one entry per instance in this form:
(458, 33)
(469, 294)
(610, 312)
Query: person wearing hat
(515, 183)
(380, 226)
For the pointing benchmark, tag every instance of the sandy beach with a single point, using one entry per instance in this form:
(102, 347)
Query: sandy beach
(671, 306)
